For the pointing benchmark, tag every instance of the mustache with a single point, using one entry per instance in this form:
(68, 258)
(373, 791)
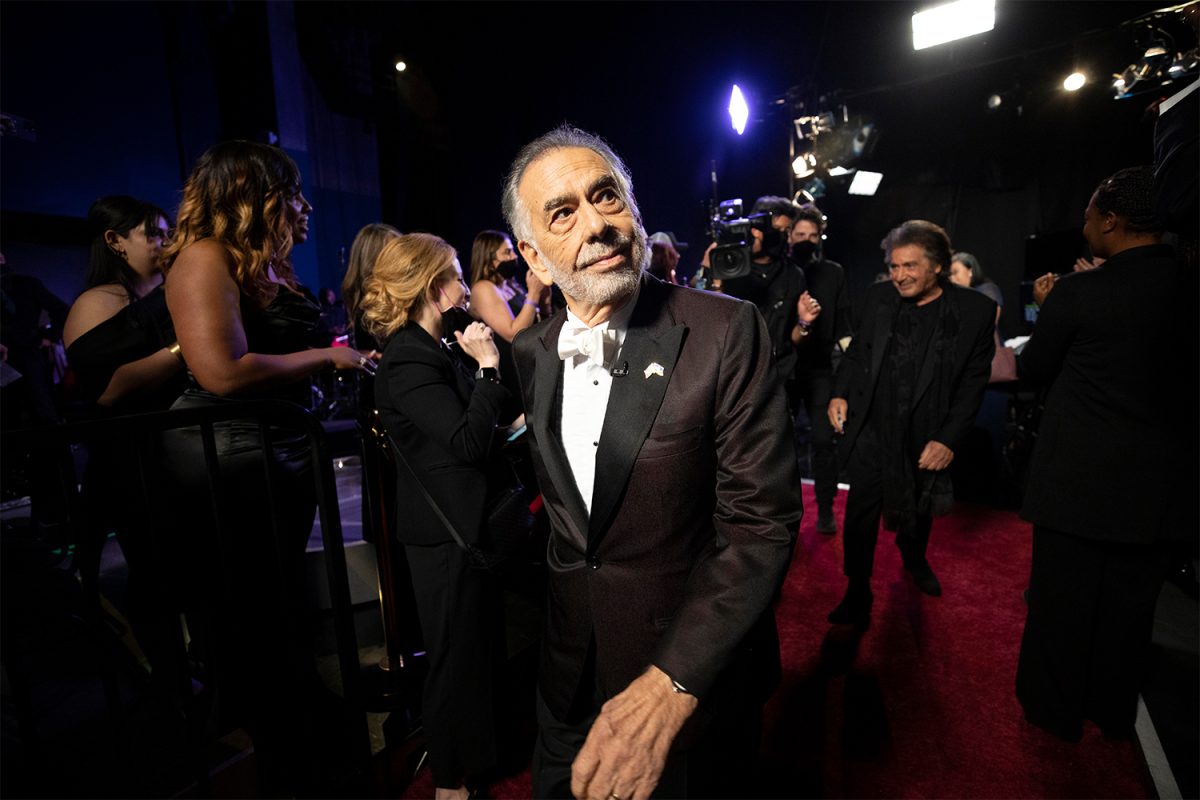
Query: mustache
(611, 243)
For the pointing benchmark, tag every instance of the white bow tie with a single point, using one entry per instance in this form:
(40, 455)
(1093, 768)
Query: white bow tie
(598, 345)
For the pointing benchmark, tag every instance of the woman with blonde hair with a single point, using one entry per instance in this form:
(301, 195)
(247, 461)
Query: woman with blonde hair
(441, 420)
(247, 330)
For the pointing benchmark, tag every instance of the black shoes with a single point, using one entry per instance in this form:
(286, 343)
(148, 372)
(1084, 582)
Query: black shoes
(855, 608)
(923, 576)
(825, 521)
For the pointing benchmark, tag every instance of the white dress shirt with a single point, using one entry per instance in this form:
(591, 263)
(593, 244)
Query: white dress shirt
(586, 386)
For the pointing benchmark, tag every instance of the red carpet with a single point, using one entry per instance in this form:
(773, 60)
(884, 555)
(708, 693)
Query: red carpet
(922, 703)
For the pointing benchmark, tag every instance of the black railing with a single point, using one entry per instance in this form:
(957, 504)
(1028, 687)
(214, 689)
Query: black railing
(142, 432)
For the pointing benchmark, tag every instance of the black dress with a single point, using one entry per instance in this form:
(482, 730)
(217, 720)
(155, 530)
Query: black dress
(237, 618)
(113, 488)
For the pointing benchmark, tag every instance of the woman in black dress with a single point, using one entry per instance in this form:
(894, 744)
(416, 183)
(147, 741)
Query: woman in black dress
(248, 330)
(122, 350)
(443, 422)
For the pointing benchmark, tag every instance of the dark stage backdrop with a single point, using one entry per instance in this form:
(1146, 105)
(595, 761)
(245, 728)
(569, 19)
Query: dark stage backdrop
(125, 96)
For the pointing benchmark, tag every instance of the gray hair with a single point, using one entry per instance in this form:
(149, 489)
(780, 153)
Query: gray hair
(563, 136)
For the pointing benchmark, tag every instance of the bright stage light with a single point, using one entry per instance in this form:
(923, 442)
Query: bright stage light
(865, 183)
(952, 21)
(804, 165)
(739, 112)
(401, 66)
(1074, 82)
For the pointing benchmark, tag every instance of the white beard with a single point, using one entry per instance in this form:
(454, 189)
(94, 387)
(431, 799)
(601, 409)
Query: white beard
(603, 288)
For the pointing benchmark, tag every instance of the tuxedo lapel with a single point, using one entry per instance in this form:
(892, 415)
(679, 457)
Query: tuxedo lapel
(548, 369)
(650, 350)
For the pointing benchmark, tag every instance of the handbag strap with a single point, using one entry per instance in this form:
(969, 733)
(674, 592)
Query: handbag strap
(432, 503)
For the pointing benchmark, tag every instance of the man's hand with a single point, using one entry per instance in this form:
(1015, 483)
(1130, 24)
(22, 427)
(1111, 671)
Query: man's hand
(1042, 287)
(935, 457)
(1084, 264)
(807, 309)
(837, 414)
(627, 746)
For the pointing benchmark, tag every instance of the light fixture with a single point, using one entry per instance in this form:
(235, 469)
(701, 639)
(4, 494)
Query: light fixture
(739, 112)
(1074, 82)
(401, 66)
(865, 183)
(837, 172)
(994, 102)
(951, 21)
(804, 165)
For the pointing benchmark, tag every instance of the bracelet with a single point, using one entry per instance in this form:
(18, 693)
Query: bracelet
(177, 351)
(529, 302)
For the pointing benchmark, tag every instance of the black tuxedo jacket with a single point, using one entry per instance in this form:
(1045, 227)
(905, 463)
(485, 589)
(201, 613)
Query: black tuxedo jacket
(973, 349)
(695, 506)
(443, 422)
(1116, 449)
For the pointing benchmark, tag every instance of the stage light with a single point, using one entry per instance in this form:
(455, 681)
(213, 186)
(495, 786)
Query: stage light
(837, 172)
(401, 66)
(739, 112)
(994, 102)
(952, 21)
(1074, 82)
(804, 165)
(865, 183)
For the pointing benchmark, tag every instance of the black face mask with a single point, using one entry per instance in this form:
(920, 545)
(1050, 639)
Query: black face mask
(804, 252)
(454, 319)
(507, 269)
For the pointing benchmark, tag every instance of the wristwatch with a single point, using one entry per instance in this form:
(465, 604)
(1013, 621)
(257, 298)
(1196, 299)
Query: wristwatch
(488, 374)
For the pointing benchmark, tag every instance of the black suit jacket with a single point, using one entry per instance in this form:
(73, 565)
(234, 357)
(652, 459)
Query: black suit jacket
(444, 424)
(695, 508)
(973, 349)
(827, 283)
(1117, 347)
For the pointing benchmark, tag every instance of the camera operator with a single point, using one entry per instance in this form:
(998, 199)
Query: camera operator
(776, 286)
(815, 361)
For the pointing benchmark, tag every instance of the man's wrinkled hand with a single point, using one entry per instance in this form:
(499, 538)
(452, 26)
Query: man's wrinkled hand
(627, 746)
(935, 457)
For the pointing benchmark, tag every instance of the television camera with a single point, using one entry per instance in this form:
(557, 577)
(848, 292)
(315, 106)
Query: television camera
(730, 229)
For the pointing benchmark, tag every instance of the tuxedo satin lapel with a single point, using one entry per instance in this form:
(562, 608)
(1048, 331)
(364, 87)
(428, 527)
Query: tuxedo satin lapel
(547, 374)
(633, 404)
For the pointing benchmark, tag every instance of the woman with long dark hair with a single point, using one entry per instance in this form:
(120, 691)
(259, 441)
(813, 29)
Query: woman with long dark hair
(500, 301)
(122, 350)
(442, 421)
(119, 337)
(247, 330)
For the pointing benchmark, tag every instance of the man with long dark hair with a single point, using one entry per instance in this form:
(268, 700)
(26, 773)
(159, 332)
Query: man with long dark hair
(904, 396)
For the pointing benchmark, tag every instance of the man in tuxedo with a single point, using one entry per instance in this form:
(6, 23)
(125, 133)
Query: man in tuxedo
(664, 452)
(905, 394)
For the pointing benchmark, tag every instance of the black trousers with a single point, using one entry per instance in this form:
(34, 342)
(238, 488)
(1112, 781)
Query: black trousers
(1087, 631)
(814, 390)
(864, 508)
(462, 623)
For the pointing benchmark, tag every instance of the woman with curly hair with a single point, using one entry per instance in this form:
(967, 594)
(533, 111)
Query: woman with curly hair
(247, 330)
(442, 421)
